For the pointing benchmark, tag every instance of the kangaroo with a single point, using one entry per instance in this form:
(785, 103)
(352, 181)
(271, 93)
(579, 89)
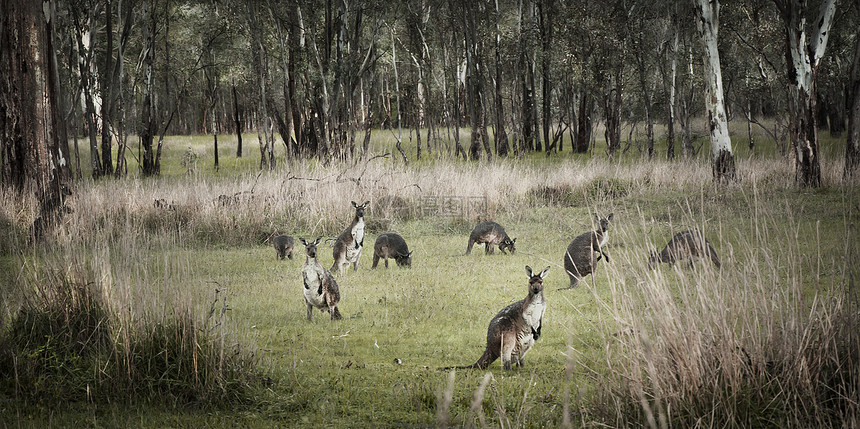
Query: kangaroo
(320, 290)
(579, 260)
(492, 234)
(391, 245)
(283, 245)
(347, 247)
(689, 244)
(515, 329)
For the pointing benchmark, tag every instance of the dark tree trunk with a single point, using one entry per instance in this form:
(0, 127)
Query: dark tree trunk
(584, 126)
(147, 126)
(107, 93)
(852, 143)
(612, 111)
(501, 136)
(32, 135)
(545, 13)
(237, 120)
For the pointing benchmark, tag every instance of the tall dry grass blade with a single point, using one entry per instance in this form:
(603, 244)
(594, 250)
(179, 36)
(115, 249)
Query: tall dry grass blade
(478, 400)
(443, 404)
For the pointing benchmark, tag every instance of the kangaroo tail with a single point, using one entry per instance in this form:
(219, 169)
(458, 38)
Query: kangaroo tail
(483, 362)
(714, 257)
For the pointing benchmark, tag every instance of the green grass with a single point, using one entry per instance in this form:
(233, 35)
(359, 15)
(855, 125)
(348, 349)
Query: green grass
(786, 254)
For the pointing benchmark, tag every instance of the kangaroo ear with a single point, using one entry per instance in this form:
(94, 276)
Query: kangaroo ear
(303, 241)
(544, 273)
(529, 271)
(514, 240)
(317, 241)
(366, 203)
(354, 204)
(409, 254)
(610, 216)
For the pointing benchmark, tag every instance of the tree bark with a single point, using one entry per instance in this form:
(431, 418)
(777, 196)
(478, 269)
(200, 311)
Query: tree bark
(584, 126)
(852, 142)
(673, 83)
(545, 13)
(32, 134)
(237, 120)
(501, 136)
(147, 126)
(86, 32)
(802, 61)
(107, 93)
(722, 158)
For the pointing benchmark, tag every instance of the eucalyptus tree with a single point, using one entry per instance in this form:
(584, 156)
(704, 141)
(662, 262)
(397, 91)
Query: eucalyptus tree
(805, 47)
(722, 158)
(35, 153)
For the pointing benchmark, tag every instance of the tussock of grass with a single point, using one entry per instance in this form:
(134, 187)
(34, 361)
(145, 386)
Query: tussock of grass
(69, 343)
(751, 344)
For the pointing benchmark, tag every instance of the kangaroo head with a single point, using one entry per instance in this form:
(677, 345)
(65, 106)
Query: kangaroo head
(536, 280)
(311, 246)
(509, 244)
(603, 222)
(653, 259)
(359, 209)
(404, 260)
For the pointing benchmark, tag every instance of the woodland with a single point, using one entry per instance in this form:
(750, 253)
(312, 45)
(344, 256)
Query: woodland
(152, 150)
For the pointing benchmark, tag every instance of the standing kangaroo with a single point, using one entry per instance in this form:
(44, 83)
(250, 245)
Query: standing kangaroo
(493, 234)
(391, 245)
(283, 245)
(689, 244)
(347, 248)
(320, 289)
(515, 328)
(579, 260)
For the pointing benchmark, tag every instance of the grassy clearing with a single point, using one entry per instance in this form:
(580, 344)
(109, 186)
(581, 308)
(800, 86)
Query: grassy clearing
(768, 339)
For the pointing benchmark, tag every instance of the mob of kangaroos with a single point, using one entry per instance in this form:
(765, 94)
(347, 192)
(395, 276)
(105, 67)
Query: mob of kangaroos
(320, 289)
(347, 247)
(493, 235)
(513, 331)
(579, 260)
(689, 245)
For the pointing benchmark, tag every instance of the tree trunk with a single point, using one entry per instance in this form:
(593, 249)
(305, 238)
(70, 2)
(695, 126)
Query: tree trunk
(147, 130)
(85, 68)
(722, 159)
(107, 93)
(237, 120)
(266, 141)
(584, 126)
(545, 13)
(673, 82)
(612, 109)
(852, 142)
(32, 134)
(802, 61)
(527, 82)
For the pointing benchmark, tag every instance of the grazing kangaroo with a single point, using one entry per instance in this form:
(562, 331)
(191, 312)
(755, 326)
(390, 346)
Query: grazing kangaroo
(579, 260)
(689, 244)
(347, 247)
(493, 234)
(515, 329)
(283, 245)
(391, 245)
(320, 289)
